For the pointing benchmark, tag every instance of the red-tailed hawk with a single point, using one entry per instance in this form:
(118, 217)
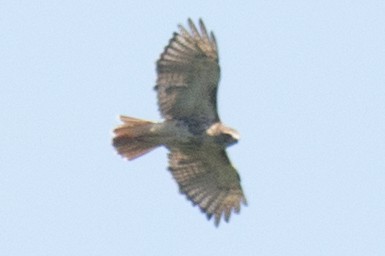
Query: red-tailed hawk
(188, 76)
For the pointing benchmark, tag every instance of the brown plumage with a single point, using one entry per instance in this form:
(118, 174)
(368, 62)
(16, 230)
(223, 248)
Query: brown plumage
(188, 76)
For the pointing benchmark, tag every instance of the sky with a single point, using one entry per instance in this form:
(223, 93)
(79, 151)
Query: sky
(302, 81)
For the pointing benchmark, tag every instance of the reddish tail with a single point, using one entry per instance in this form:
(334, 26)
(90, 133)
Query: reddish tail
(134, 137)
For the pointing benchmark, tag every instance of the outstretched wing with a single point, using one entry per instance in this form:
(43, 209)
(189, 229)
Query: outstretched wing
(188, 76)
(208, 179)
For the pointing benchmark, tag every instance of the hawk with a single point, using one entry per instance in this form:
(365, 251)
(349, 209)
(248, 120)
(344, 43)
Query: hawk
(188, 75)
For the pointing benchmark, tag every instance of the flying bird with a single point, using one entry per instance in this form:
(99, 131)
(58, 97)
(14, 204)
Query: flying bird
(187, 82)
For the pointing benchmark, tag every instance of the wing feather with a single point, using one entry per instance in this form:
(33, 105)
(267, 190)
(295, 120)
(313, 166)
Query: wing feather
(188, 75)
(208, 179)
(203, 29)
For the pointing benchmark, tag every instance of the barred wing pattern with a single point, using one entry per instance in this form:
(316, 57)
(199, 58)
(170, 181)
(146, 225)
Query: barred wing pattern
(188, 76)
(208, 179)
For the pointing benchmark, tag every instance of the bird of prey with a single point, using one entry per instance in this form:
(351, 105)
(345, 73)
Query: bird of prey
(188, 75)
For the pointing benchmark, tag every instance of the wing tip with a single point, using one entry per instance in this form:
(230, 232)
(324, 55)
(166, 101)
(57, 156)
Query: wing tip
(219, 212)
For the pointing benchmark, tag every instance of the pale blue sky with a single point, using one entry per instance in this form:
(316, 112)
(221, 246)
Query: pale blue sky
(303, 82)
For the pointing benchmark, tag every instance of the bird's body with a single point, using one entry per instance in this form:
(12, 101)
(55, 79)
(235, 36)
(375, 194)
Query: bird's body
(188, 76)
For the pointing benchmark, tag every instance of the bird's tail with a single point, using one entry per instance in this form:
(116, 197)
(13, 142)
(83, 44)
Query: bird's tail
(135, 137)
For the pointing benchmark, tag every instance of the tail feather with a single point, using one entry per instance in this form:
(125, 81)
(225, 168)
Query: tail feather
(134, 137)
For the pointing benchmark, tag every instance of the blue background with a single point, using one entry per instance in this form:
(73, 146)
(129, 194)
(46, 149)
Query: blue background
(303, 82)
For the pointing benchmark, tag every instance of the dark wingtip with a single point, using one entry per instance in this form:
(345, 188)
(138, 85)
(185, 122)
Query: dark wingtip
(217, 220)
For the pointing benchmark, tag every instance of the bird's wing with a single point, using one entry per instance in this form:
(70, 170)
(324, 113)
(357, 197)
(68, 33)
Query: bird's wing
(188, 76)
(208, 179)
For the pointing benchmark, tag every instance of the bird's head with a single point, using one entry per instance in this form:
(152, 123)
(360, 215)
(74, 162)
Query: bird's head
(223, 135)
